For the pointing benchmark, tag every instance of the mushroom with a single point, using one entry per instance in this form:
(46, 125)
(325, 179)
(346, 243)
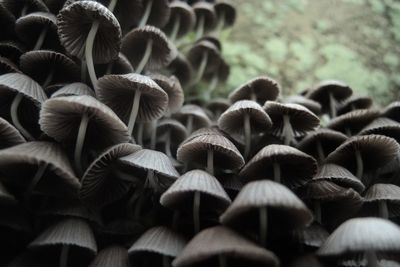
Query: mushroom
(354, 103)
(312, 105)
(172, 132)
(9, 135)
(7, 66)
(193, 117)
(217, 106)
(220, 75)
(352, 122)
(205, 18)
(121, 65)
(226, 14)
(382, 200)
(383, 126)
(73, 89)
(21, 8)
(181, 21)
(116, 256)
(155, 12)
(12, 50)
(180, 67)
(259, 89)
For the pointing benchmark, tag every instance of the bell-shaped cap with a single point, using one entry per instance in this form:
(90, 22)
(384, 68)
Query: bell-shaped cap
(30, 6)
(197, 52)
(116, 256)
(260, 89)
(199, 117)
(177, 132)
(312, 105)
(352, 122)
(392, 111)
(388, 193)
(184, 13)
(225, 12)
(173, 88)
(218, 105)
(383, 126)
(73, 89)
(121, 65)
(9, 136)
(12, 50)
(181, 68)
(353, 103)
(207, 12)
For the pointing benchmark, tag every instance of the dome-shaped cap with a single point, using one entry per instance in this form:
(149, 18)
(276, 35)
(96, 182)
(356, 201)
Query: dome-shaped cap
(177, 131)
(181, 68)
(160, 12)
(11, 50)
(198, 50)
(312, 105)
(74, 89)
(226, 11)
(173, 88)
(184, 13)
(383, 126)
(353, 103)
(200, 118)
(353, 121)
(7, 66)
(392, 111)
(207, 11)
(116, 256)
(389, 193)
(121, 65)
(218, 105)
(260, 89)
(9, 136)
(74, 23)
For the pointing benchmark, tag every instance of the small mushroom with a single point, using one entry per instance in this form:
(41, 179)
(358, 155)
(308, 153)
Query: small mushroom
(259, 89)
(382, 200)
(383, 126)
(354, 103)
(21, 8)
(12, 50)
(226, 14)
(155, 12)
(73, 89)
(7, 66)
(205, 18)
(171, 132)
(9, 135)
(181, 21)
(392, 111)
(352, 122)
(116, 256)
(193, 117)
(312, 105)
(180, 67)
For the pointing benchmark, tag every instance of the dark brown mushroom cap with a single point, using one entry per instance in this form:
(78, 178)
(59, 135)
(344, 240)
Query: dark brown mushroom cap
(74, 89)
(39, 63)
(340, 176)
(296, 167)
(206, 10)
(181, 68)
(121, 65)
(195, 149)
(389, 193)
(353, 103)
(7, 21)
(392, 111)
(226, 8)
(359, 235)
(200, 118)
(158, 240)
(118, 91)
(160, 13)
(328, 138)
(116, 256)
(19, 164)
(7, 66)
(301, 118)
(218, 105)
(179, 196)
(376, 151)
(312, 236)
(134, 45)
(232, 120)
(312, 105)
(9, 136)
(196, 52)
(72, 232)
(11, 50)
(32, 6)
(206, 246)
(60, 118)
(182, 11)
(74, 23)
(383, 126)
(177, 130)
(353, 121)
(50, 89)
(29, 27)
(284, 206)
(263, 87)
(222, 72)
(99, 184)
(215, 41)
(173, 88)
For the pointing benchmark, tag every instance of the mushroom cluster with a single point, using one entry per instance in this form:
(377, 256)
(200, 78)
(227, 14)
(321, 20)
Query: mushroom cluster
(110, 155)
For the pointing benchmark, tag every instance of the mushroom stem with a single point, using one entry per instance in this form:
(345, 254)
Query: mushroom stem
(317, 211)
(64, 256)
(189, 124)
(153, 134)
(213, 84)
(168, 144)
(165, 261)
(196, 212)
(200, 28)
(40, 39)
(109, 67)
(372, 259)
(320, 151)
(146, 14)
(134, 111)
(247, 135)
(360, 165)
(348, 131)
(49, 78)
(332, 105)
(263, 213)
(146, 56)
(112, 4)
(222, 260)
(383, 209)
(14, 117)
(201, 69)
(80, 139)
(253, 96)
(83, 70)
(35, 180)
(24, 10)
(210, 162)
(277, 172)
(221, 23)
(287, 130)
(139, 138)
(89, 52)
(175, 28)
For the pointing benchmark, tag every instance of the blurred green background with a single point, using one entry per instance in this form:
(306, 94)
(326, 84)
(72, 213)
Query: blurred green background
(300, 42)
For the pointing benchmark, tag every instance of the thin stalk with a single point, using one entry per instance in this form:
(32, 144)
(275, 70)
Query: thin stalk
(40, 39)
(109, 67)
(140, 130)
(165, 261)
(83, 70)
(287, 130)
(80, 140)
(167, 147)
(196, 211)
(175, 29)
(253, 96)
(222, 261)
(89, 52)
(277, 172)
(35, 180)
(200, 28)
(49, 78)
(111, 5)
(360, 165)
(153, 140)
(24, 10)
(317, 211)
(210, 162)
(14, 117)
(247, 135)
(332, 105)
(64, 256)
(372, 259)
(146, 14)
(320, 151)
(134, 111)
(202, 68)
(146, 56)
(383, 209)
(189, 124)
(263, 213)
(211, 87)
(221, 23)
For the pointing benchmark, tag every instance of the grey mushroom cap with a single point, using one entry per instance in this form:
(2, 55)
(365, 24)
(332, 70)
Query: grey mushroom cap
(320, 92)
(264, 88)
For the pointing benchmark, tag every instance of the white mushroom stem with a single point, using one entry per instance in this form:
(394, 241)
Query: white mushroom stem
(196, 211)
(139, 137)
(165, 261)
(221, 23)
(80, 140)
(189, 124)
(24, 9)
(112, 4)
(14, 117)
(277, 172)
(247, 135)
(317, 211)
(146, 14)
(49, 78)
(332, 105)
(167, 147)
(64, 256)
(175, 28)
(201, 69)
(210, 162)
(287, 130)
(372, 259)
(134, 111)
(253, 96)
(153, 140)
(320, 151)
(40, 39)
(35, 180)
(263, 213)
(222, 261)
(213, 84)
(89, 52)
(146, 56)
(360, 164)
(383, 209)
(200, 28)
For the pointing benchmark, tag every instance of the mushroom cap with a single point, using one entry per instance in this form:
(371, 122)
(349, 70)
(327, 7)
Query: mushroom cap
(362, 234)
(195, 148)
(392, 111)
(376, 151)
(173, 88)
(160, 13)
(383, 126)
(313, 236)
(197, 51)
(12, 50)
(159, 240)
(99, 186)
(115, 255)
(121, 65)
(118, 91)
(60, 118)
(180, 194)
(312, 105)
(264, 88)
(177, 131)
(208, 12)
(19, 164)
(187, 18)
(73, 89)
(221, 73)
(218, 105)
(340, 176)
(219, 240)
(225, 8)
(232, 120)
(296, 167)
(134, 45)
(353, 120)
(31, 6)
(74, 23)
(7, 66)
(353, 103)
(9, 136)
(39, 63)
(320, 92)
(285, 208)
(389, 193)
(301, 118)
(181, 68)
(200, 118)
